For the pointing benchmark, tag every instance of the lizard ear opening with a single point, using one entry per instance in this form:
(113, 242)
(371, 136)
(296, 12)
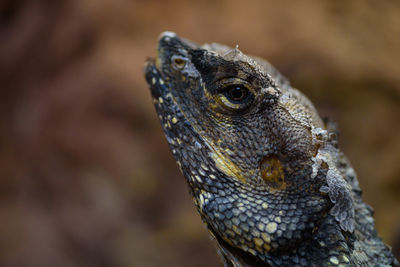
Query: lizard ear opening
(272, 172)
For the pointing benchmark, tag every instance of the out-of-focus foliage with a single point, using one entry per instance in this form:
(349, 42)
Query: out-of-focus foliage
(86, 177)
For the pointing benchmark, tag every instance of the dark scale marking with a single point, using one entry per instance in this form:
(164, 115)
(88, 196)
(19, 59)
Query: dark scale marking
(268, 180)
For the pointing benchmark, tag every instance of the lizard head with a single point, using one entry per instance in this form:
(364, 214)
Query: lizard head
(252, 149)
(228, 102)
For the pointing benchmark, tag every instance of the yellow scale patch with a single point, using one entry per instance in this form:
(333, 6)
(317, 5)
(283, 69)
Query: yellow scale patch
(226, 165)
(258, 244)
(222, 162)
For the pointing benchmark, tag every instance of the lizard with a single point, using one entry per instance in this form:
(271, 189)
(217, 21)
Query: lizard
(264, 170)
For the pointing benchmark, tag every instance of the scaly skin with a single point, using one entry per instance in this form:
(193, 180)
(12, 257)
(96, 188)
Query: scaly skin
(264, 170)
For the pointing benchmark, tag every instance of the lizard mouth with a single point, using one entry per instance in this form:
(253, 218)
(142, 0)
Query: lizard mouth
(165, 103)
(155, 79)
(153, 70)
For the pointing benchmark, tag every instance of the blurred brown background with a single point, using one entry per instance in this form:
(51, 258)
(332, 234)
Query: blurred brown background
(86, 177)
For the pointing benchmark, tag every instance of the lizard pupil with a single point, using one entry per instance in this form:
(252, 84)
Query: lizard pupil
(237, 93)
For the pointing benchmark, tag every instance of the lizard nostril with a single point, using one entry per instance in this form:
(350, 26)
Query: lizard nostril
(179, 62)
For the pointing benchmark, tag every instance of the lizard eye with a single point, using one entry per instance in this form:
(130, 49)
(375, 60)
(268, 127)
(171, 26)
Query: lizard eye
(236, 93)
(235, 97)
